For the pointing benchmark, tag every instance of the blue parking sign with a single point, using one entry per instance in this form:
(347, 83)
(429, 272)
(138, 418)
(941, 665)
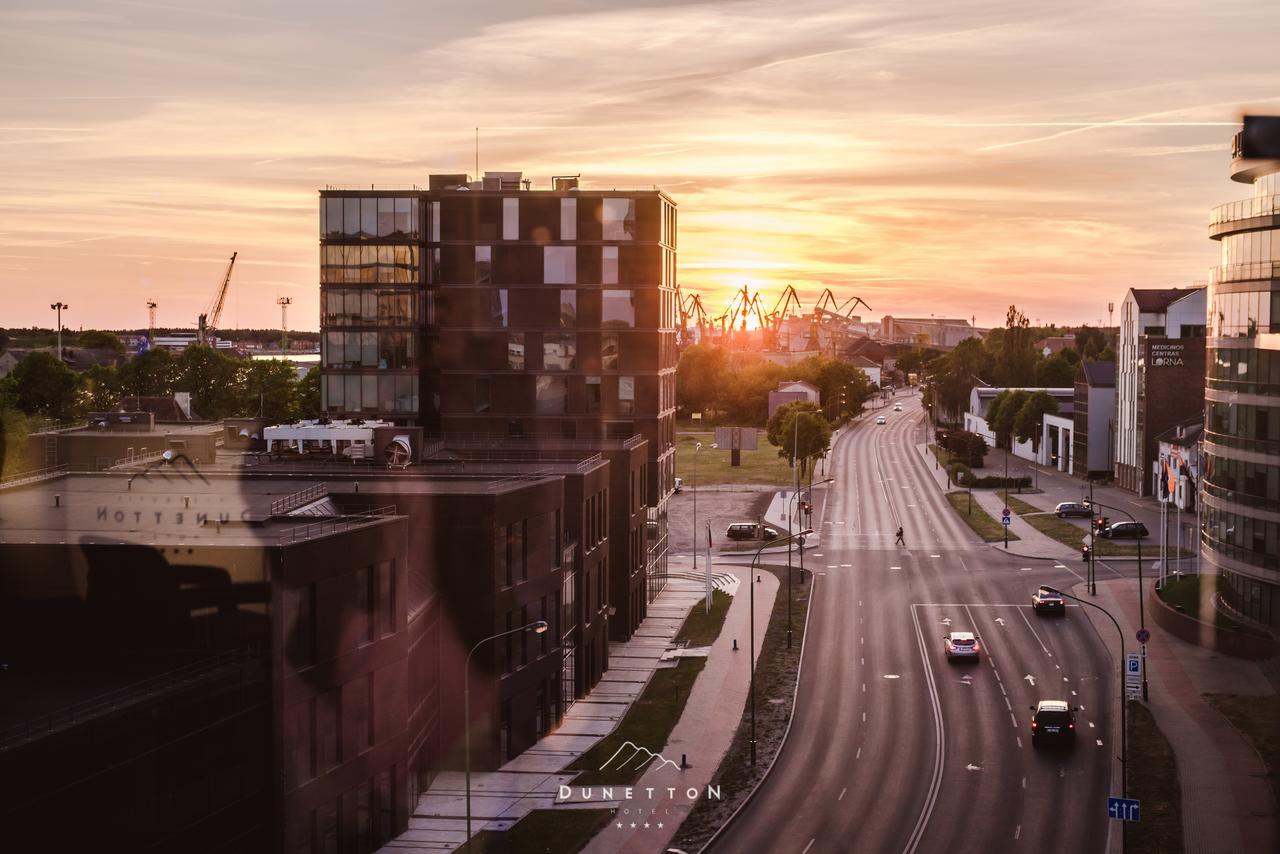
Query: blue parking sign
(1124, 809)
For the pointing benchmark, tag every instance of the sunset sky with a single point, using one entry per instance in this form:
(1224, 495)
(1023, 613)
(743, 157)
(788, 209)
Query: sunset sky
(943, 157)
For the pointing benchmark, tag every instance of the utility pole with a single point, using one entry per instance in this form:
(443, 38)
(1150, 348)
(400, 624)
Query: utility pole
(151, 319)
(284, 303)
(58, 307)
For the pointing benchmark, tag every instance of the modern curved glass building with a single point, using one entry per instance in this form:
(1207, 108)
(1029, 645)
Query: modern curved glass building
(1240, 527)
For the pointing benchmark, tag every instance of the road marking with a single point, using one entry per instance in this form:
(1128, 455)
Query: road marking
(1017, 831)
(1008, 704)
(1099, 742)
(862, 640)
(1033, 632)
(859, 754)
(1090, 724)
(940, 749)
(842, 791)
(864, 718)
(1000, 620)
(935, 555)
(971, 767)
(1074, 694)
(891, 676)
(1059, 666)
(832, 566)
(1024, 779)
(1030, 679)
(862, 660)
(864, 687)
(1001, 687)
(1025, 569)
(846, 564)
(1013, 720)
(818, 554)
(895, 567)
(1024, 782)
(807, 847)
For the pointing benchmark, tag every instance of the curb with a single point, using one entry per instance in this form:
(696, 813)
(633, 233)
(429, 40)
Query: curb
(1002, 550)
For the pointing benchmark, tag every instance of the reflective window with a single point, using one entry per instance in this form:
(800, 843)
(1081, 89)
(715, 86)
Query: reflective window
(385, 349)
(367, 307)
(386, 216)
(626, 395)
(619, 219)
(593, 395)
(386, 263)
(609, 265)
(484, 265)
(368, 217)
(568, 219)
(609, 351)
(405, 210)
(552, 395)
(559, 351)
(498, 308)
(351, 216)
(515, 351)
(483, 394)
(568, 309)
(510, 219)
(559, 265)
(435, 222)
(618, 309)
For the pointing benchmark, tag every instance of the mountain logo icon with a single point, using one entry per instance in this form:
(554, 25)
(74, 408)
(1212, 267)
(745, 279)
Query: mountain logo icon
(633, 755)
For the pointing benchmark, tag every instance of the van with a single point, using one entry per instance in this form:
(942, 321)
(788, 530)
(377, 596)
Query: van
(750, 531)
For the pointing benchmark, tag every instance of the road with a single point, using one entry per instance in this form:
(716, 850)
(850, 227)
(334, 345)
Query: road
(892, 748)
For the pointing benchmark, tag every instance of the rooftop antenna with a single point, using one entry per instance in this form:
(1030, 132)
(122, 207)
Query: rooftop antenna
(477, 154)
(1111, 307)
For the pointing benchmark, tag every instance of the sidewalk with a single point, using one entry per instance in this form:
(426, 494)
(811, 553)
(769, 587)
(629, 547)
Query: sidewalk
(1227, 804)
(703, 733)
(499, 799)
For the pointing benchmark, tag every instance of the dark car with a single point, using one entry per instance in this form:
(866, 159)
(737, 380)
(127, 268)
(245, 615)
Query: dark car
(1045, 599)
(750, 531)
(1053, 722)
(1072, 508)
(1124, 531)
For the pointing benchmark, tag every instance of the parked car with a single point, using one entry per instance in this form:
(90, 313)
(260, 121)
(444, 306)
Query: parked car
(750, 531)
(961, 645)
(1072, 508)
(1124, 531)
(1045, 599)
(1053, 721)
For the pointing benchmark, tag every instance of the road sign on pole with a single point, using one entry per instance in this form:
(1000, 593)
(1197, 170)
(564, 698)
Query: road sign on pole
(1143, 635)
(1005, 513)
(1005, 520)
(1133, 675)
(1124, 809)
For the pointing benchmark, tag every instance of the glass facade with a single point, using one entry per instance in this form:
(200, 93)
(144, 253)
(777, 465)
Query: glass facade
(1240, 520)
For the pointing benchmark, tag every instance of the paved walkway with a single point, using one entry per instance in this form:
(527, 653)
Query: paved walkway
(499, 799)
(1227, 804)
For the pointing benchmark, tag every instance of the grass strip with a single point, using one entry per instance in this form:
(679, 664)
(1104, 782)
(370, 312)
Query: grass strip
(701, 628)
(1257, 718)
(561, 831)
(762, 465)
(1068, 534)
(647, 723)
(1153, 779)
(978, 519)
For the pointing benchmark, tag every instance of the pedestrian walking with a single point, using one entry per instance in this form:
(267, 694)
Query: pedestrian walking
(901, 541)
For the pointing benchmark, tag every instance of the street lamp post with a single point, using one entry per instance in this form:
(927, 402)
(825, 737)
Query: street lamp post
(1124, 730)
(1142, 610)
(58, 307)
(751, 649)
(697, 446)
(790, 516)
(538, 626)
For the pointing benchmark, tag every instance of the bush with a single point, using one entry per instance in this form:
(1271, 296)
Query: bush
(960, 473)
(963, 445)
(993, 482)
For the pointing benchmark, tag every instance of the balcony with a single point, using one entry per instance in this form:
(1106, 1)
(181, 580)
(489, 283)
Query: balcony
(1259, 270)
(1223, 217)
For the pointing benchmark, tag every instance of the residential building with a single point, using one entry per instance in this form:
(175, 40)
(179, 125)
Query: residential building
(793, 391)
(1057, 443)
(1158, 375)
(1094, 413)
(975, 421)
(1055, 344)
(1240, 533)
(869, 367)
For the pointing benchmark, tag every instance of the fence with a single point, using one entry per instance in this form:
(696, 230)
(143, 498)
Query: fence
(299, 498)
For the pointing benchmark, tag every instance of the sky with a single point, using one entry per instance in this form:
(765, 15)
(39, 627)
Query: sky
(941, 157)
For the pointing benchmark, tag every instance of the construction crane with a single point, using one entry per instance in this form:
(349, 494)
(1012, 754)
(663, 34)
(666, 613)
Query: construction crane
(690, 308)
(284, 303)
(781, 311)
(209, 319)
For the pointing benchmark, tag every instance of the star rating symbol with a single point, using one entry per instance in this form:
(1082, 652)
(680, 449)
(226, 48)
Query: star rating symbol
(633, 825)
(659, 825)
(646, 825)
(619, 825)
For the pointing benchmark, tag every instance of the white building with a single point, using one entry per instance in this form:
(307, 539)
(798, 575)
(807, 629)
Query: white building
(790, 392)
(975, 420)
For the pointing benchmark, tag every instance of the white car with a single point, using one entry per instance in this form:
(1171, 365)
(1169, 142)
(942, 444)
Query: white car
(961, 645)
(882, 420)
(897, 407)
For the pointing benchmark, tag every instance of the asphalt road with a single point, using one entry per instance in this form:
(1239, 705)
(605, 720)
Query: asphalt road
(893, 748)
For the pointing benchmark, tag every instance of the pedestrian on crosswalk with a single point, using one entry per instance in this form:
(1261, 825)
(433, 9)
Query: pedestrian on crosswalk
(900, 541)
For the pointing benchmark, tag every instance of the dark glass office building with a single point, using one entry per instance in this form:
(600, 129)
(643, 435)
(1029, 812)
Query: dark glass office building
(1241, 502)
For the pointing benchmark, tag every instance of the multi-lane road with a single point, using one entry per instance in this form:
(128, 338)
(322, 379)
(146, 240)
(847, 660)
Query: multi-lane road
(892, 748)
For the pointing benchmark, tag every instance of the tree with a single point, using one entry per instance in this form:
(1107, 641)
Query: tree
(955, 374)
(306, 395)
(46, 386)
(1010, 402)
(269, 388)
(836, 380)
(1030, 417)
(98, 340)
(151, 374)
(1055, 371)
(101, 388)
(698, 376)
(781, 419)
(1017, 351)
(212, 380)
(743, 390)
(800, 432)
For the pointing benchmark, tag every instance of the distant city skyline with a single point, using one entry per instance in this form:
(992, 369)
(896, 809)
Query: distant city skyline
(950, 158)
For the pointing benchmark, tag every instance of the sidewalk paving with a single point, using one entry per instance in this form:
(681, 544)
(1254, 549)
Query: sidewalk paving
(499, 799)
(1227, 803)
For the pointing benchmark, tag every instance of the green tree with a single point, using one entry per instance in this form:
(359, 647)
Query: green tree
(1055, 371)
(698, 376)
(306, 395)
(1030, 417)
(270, 386)
(1007, 404)
(743, 396)
(954, 375)
(801, 434)
(151, 374)
(843, 387)
(98, 340)
(101, 388)
(781, 419)
(45, 386)
(14, 431)
(1017, 363)
(212, 379)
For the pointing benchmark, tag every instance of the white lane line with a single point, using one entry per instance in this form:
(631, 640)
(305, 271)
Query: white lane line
(1017, 831)
(1024, 779)
(859, 754)
(842, 791)
(1033, 632)
(1008, 704)
(1099, 741)
(1013, 720)
(807, 847)
(1002, 691)
(864, 718)
(864, 687)
(940, 749)
(1024, 782)
(862, 660)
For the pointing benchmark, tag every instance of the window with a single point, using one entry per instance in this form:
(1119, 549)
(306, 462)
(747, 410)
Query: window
(484, 265)
(626, 395)
(618, 309)
(369, 217)
(364, 605)
(515, 351)
(619, 219)
(519, 552)
(305, 630)
(593, 395)
(609, 265)
(499, 308)
(568, 219)
(387, 598)
(435, 222)
(559, 351)
(502, 554)
(552, 395)
(559, 265)
(609, 351)
(483, 394)
(568, 309)
(386, 217)
(510, 219)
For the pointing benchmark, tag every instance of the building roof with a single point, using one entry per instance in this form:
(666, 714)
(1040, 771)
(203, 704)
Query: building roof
(1158, 300)
(1184, 434)
(1099, 374)
(791, 385)
(863, 362)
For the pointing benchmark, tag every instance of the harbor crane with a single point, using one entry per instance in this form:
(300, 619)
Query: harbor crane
(209, 319)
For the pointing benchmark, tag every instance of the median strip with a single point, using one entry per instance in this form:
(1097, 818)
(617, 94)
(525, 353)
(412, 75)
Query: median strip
(978, 519)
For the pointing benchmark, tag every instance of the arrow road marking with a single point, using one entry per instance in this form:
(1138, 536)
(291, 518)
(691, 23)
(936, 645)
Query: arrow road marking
(1030, 679)
(966, 680)
(972, 767)
(946, 621)
(1000, 620)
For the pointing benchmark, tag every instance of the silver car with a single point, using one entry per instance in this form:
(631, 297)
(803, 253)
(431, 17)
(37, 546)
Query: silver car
(961, 645)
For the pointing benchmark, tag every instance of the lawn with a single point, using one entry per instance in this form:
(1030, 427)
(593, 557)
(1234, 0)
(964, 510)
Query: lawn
(1258, 720)
(1153, 779)
(648, 723)
(701, 628)
(1193, 595)
(978, 519)
(561, 831)
(759, 466)
(1068, 534)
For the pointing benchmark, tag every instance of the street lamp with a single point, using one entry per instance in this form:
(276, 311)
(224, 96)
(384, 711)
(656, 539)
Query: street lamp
(538, 626)
(58, 307)
(751, 649)
(697, 446)
(1142, 610)
(1124, 737)
(791, 515)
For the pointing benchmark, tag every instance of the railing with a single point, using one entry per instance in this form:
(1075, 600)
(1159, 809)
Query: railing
(512, 479)
(1246, 272)
(326, 527)
(299, 498)
(39, 726)
(24, 477)
(59, 427)
(550, 441)
(374, 188)
(149, 456)
(1245, 209)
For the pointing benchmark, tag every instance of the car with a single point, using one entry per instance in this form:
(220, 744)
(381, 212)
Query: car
(1124, 531)
(1045, 599)
(897, 407)
(1072, 508)
(961, 645)
(679, 486)
(750, 531)
(1054, 721)
(882, 420)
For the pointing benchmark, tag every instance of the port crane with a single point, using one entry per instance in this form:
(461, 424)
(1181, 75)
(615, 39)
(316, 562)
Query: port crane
(209, 319)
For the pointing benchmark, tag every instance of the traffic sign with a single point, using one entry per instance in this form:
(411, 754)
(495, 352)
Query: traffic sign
(1125, 809)
(1132, 674)
(1005, 520)
(1143, 635)
(1005, 513)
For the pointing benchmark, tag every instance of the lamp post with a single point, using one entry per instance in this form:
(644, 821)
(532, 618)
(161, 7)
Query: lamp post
(697, 446)
(751, 649)
(1142, 611)
(1124, 737)
(790, 516)
(58, 307)
(538, 626)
